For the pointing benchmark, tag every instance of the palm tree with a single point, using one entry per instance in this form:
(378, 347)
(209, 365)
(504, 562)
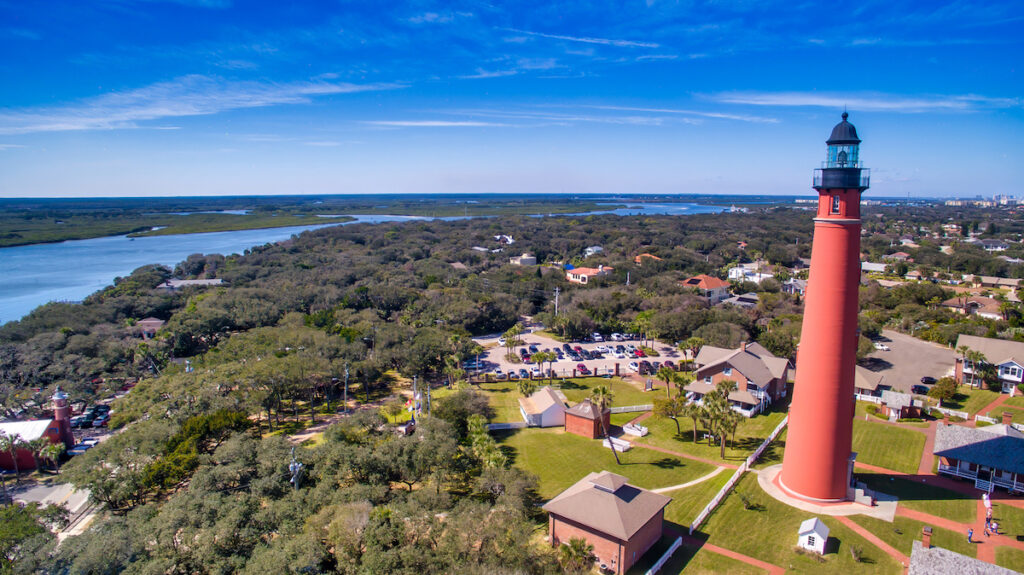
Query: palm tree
(576, 555)
(601, 397)
(717, 404)
(10, 444)
(693, 346)
(694, 412)
(36, 446)
(668, 376)
(512, 338)
(52, 453)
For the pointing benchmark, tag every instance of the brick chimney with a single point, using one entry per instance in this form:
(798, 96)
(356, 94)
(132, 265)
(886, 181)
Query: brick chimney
(1007, 417)
(743, 346)
(945, 419)
(926, 537)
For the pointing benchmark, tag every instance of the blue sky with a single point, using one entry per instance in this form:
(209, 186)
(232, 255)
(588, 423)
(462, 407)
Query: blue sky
(214, 97)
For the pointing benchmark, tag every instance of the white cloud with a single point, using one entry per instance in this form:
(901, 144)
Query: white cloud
(716, 115)
(867, 102)
(432, 124)
(481, 73)
(589, 40)
(193, 95)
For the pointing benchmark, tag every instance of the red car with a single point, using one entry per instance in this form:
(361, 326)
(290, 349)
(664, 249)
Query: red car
(581, 367)
(639, 353)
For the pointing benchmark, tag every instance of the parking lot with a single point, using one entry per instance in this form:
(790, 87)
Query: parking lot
(494, 359)
(908, 360)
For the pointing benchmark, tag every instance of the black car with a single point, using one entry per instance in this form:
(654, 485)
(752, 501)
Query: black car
(566, 347)
(927, 380)
(523, 374)
(919, 389)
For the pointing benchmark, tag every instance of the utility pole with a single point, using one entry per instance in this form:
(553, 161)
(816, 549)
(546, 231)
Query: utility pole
(627, 279)
(557, 290)
(345, 410)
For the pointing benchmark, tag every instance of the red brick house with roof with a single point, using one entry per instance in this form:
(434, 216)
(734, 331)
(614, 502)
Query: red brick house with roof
(710, 287)
(620, 520)
(760, 376)
(583, 419)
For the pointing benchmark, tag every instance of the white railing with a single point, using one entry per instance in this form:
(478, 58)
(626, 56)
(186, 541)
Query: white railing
(632, 408)
(871, 398)
(953, 412)
(729, 485)
(986, 419)
(665, 556)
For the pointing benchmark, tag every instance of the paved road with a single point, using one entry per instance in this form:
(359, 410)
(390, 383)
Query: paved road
(910, 359)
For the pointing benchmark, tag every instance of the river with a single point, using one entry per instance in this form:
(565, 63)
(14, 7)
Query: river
(69, 271)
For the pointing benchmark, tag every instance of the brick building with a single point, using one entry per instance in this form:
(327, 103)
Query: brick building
(760, 376)
(620, 520)
(583, 419)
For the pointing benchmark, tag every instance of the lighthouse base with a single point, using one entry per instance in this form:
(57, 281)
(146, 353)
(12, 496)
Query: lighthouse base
(884, 506)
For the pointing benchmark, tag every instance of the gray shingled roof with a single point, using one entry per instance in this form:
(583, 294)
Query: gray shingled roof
(755, 362)
(896, 399)
(998, 446)
(605, 502)
(585, 409)
(939, 561)
(996, 351)
(867, 379)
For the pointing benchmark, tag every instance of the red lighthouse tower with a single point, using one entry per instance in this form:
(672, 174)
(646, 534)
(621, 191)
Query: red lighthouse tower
(818, 462)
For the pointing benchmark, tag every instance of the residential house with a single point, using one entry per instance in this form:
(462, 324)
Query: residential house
(544, 408)
(869, 267)
(990, 456)
(974, 305)
(750, 272)
(584, 419)
(913, 275)
(760, 376)
(795, 286)
(994, 245)
(714, 289)
(592, 251)
(176, 284)
(504, 239)
(584, 275)
(523, 260)
(928, 560)
(149, 326)
(867, 382)
(813, 535)
(1007, 357)
(896, 405)
(748, 300)
(639, 260)
(898, 257)
(620, 520)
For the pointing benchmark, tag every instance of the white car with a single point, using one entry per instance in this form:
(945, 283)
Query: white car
(502, 341)
(631, 348)
(498, 374)
(881, 346)
(597, 337)
(603, 349)
(535, 372)
(615, 337)
(634, 366)
(620, 355)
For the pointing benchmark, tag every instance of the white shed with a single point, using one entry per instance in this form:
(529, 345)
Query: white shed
(813, 535)
(545, 408)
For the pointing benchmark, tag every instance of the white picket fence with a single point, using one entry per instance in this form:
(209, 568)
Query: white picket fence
(728, 487)
(871, 398)
(665, 557)
(993, 421)
(632, 408)
(952, 412)
(504, 426)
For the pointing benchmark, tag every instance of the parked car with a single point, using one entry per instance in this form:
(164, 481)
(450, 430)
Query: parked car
(536, 372)
(646, 368)
(596, 336)
(881, 346)
(100, 409)
(523, 374)
(512, 374)
(928, 380)
(919, 389)
(634, 366)
(671, 365)
(639, 353)
(499, 374)
(502, 341)
(566, 347)
(620, 355)
(101, 421)
(603, 349)
(84, 420)
(616, 337)
(533, 348)
(581, 366)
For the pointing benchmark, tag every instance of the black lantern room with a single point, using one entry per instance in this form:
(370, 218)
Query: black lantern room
(842, 168)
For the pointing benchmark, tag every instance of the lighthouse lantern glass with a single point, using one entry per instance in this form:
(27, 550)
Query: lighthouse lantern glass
(842, 156)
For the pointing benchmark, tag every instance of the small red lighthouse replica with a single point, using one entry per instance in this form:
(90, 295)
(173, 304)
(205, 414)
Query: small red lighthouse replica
(818, 462)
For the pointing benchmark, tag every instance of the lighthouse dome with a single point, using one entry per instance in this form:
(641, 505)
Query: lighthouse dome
(843, 133)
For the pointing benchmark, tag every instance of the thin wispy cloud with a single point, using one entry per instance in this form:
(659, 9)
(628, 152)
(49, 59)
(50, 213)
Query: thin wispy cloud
(9, 146)
(433, 124)
(193, 95)
(589, 40)
(483, 74)
(868, 102)
(697, 113)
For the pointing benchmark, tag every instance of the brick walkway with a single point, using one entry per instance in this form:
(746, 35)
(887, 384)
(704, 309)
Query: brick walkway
(699, 544)
(871, 537)
(995, 405)
(927, 459)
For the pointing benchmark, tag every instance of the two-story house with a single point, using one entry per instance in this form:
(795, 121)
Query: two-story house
(712, 288)
(760, 376)
(1006, 356)
(584, 275)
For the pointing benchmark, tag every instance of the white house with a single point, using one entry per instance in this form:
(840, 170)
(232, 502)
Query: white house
(523, 260)
(592, 250)
(813, 535)
(749, 272)
(545, 408)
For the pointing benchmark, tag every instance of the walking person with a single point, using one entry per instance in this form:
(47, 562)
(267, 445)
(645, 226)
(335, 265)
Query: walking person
(986, 529)
(995, 528)
(970, 533)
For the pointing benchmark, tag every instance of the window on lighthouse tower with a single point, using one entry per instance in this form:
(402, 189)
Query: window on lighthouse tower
(835, 204)
(842, 159)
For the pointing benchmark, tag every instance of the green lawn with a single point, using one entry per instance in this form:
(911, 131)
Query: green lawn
(1009, 518)
(1017, 401)
(768, 532)
(1018, 414)
(1010, 558)
(751, 433)
(621, 419)
(687, 503)
(887, 445)
(691, 561)
(560, 459)
(504, 396)
(923, 497)
(903, 531)
(971, 400)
